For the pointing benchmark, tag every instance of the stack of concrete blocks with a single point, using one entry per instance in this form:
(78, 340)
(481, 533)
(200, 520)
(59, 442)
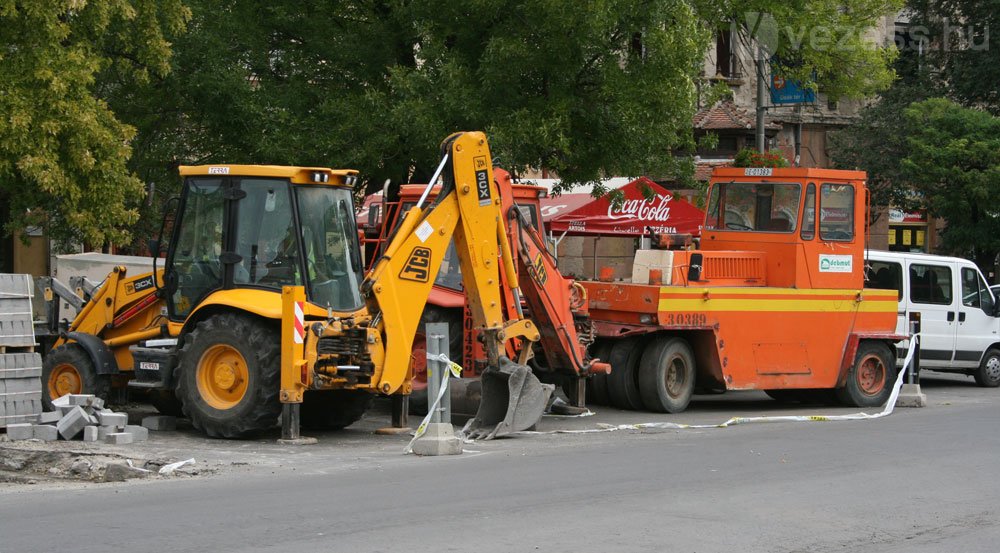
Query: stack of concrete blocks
(83, 416)
(20, 368)
(583, 256)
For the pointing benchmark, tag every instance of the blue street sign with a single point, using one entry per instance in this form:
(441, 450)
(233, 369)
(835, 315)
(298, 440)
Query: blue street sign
(790, 92)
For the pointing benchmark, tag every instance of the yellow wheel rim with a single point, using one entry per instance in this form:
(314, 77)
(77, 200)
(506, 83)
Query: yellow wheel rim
(64, 379)
(223, 376)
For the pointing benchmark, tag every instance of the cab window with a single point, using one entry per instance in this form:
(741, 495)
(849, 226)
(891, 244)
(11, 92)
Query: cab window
(754, 206)
(836, 212)
(809, 213)
(975, 292)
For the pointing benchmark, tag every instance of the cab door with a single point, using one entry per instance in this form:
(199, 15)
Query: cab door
(932, 289)
(977, 326)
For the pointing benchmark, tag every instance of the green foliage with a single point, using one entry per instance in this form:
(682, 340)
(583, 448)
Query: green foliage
(749, 157)
(63, 153)
(954, 164)
(825, 45)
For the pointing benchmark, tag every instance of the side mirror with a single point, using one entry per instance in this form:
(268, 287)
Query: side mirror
(694, 267)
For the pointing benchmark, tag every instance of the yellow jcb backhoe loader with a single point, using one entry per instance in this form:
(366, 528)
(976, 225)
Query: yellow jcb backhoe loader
(261, 302)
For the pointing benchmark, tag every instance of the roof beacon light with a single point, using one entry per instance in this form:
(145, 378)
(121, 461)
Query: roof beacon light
(319, 176)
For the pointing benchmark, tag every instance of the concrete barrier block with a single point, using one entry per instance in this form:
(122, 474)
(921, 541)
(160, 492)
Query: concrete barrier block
(119, 438)
(20, 431)
(72, 423)
(90, 433)
(118, 420)
(141, 433)
(61, 402)
(45, 432)
(49, 417)
(160, 422)
(103, 431)
(82, 400)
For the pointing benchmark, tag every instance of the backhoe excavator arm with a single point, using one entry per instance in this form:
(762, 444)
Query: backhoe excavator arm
(469, 210)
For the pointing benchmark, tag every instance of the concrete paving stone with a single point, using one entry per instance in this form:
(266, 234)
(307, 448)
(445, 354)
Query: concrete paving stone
(119, 438)
(3, 410)
(20, 431)
(61, 401)
(113, 419)
(90, 433)
(97, 403)
(103, 431)
(45, 432)
(72, 423)
(160, 422)
(82, 400)
(141, 433)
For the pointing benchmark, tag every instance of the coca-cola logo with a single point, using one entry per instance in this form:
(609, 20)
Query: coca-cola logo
(656, 209)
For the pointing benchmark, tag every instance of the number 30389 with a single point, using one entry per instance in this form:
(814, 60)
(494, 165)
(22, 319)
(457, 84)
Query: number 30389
(687, 319)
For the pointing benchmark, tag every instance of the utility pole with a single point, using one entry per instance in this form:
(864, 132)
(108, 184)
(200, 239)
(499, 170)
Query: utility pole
(760, 99)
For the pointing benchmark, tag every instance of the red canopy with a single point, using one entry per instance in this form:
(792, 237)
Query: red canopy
(581, 213)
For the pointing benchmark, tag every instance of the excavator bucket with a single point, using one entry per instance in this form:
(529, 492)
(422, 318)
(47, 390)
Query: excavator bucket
(513, 400)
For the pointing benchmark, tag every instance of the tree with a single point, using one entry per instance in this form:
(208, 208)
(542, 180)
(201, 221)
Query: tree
(587, 90)
(954, 164)
(63, 152)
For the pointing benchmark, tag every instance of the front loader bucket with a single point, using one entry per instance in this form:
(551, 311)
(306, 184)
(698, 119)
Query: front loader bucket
(513, 400)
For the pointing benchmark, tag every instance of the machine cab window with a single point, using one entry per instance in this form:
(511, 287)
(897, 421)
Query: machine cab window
(754, 206)
(836, 212)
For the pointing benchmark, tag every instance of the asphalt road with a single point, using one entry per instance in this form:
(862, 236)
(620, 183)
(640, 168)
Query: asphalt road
(921, 480)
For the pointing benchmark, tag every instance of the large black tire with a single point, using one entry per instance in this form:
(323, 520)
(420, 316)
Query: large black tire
(166, 402)
(667, 375)
(988, 374)
(870, 378)
(784, 396)
(229, 376)
(623, 386)
(68, 369)
(435, 314)
(597, 388)
(334, 409)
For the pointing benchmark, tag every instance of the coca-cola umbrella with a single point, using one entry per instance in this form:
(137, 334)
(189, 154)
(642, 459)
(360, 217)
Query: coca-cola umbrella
(580, 213)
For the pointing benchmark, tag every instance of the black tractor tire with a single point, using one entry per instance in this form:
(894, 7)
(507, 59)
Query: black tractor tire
(597, 388)
(334, 409)
(231, 339)
(988, 373)
(165, 402)
(667, 375)
(870, 378)
(69, 368)
(784, 396)
(623, 385)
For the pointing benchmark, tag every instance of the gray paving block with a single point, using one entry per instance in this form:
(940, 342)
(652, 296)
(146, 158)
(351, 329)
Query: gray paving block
(83, 400)
(72, 423)
(90, 433)
(141, 433)
(119, 438)
(61, 401)
(48, 417)
(160, 422)
(113, 419)
(20, 431)
(103, 431)
(45, 432)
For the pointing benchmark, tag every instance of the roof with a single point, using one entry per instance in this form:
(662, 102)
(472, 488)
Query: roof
(725, 115)
(789, 172)
(301, 175)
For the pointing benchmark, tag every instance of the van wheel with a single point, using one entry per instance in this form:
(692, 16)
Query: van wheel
(870, 379)
(988, 374)
(666, 375)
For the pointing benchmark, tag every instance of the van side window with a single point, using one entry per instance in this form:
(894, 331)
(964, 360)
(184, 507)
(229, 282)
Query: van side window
(809, 213)
(930, 284)
(883, 275)
(975, 292)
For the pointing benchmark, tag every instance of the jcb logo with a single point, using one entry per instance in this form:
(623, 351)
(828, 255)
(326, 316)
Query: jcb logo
(540, 275)
(418, 265)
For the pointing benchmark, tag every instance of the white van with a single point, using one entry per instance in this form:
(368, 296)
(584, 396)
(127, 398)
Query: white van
(959, 316)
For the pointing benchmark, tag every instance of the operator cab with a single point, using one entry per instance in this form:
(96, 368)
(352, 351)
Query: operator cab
(264, 227)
